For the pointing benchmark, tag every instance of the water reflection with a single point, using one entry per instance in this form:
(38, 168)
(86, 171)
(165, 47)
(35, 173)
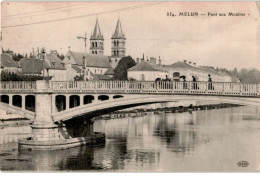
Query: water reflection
(213, 140)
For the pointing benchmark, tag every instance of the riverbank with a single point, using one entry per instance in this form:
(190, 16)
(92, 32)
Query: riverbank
(180, 109)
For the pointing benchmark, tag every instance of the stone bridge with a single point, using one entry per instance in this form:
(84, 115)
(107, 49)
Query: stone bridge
(65, 108)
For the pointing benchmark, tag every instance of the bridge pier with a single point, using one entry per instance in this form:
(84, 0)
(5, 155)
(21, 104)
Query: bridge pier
(47, 134)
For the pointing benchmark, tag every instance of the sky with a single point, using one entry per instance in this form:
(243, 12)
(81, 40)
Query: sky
(206, 40)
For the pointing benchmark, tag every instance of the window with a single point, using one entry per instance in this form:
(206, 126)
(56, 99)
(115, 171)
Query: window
(93, 45)
(53, 64)
(114, 43)
(96, 44)
(117, 52)
(117, 43)
(114, 53)
(95, 52)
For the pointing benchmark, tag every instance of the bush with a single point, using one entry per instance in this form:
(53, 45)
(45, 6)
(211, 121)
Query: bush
(6, 76)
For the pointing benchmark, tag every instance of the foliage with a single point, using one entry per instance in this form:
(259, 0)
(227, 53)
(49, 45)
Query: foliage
(79, 78)
(6, 76)
(247, 75)
(121, 69)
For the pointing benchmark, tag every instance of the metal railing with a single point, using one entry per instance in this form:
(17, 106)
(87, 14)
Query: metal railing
(157, 87)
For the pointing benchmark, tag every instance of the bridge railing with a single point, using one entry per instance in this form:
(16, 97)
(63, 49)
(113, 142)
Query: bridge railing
(213, 88)
(14, 86)
(217, 88)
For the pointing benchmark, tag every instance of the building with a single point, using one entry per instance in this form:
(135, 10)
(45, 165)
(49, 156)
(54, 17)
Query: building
(146, 71)
(50, 66)
(118, 41)
(8, 64)
(91, 65)
(150, 70)
(97, 41)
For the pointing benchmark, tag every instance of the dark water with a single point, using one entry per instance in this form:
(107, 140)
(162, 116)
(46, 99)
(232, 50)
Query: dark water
(213, 140)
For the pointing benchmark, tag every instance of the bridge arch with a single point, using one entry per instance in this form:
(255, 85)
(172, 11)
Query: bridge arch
(88, 99)
(30, 102)
(135, 100)
(103, 97)
(60, 102)
(5, 99)
(74, 101)
(117, 96)
(17, 100)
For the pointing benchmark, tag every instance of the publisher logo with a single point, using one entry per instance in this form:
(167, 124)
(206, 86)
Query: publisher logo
(242, 164)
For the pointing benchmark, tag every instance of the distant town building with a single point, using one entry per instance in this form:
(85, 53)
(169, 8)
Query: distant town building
(50, 66)
(146, 71)
(8, 64)
(151, 70)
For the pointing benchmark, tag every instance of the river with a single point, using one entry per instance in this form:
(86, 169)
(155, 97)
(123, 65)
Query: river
(210, 140)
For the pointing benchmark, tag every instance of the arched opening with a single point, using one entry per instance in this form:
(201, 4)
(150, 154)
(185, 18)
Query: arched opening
(74, 101)
(30, 103)
(114, 43)
(96, 44)
(5, 99)
(117, 52)
(17, 100)
(88, 99)
(93, 45)
(103, 97)
(117, 96)
(114, 53)
(60, 102)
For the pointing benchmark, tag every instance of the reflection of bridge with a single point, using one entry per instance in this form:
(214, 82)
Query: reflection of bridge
(52, 104)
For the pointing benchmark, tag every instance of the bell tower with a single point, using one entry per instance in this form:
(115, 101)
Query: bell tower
(118, 41)
(97, 41)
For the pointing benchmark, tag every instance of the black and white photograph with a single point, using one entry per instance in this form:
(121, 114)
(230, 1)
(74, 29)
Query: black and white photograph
(130, 87)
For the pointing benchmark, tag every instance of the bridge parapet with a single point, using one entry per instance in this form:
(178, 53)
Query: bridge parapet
(159, 87)
(135, 87)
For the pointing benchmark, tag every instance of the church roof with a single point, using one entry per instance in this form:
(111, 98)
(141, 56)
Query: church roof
(92, 60)
(146, 66)
(118, 31)
(96, 33)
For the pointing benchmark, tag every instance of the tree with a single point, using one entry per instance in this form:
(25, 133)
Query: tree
(121, 69)
(79, 78)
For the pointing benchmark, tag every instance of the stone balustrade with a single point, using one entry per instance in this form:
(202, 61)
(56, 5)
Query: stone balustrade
(137, 87)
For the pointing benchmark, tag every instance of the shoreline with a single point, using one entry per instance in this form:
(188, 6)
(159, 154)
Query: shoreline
(179, 109)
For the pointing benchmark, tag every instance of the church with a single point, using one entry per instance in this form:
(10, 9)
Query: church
(95, 65)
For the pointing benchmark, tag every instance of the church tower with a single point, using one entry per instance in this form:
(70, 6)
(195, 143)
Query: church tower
(118, 41)
(97, 41)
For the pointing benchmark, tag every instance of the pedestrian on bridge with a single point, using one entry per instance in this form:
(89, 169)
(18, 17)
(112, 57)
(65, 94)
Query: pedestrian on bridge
(210, 86)
(195, 86)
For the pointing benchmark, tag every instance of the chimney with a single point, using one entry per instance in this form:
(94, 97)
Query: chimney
(137, 60)
(160, 61)
(142, 60)
(185, 61)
